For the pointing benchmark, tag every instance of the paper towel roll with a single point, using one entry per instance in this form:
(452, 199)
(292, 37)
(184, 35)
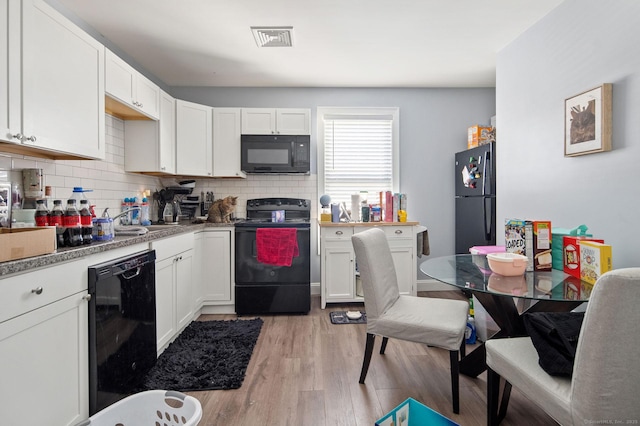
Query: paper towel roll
(355, 207)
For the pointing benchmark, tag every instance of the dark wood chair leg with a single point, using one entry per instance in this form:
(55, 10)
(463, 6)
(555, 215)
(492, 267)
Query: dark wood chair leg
(493, 395)
(368, 350)
(383, 347)
(455, 381)
(504, 403)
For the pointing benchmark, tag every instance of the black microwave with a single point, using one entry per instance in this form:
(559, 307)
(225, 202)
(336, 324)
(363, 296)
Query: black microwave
(275, 153)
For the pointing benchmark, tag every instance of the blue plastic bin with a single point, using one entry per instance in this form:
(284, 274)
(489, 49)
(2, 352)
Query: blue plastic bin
(414, 413)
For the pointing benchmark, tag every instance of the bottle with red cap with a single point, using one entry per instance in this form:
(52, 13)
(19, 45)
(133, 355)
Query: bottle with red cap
(86, 222)
(55, 219)
(71, 222)
(41, 215)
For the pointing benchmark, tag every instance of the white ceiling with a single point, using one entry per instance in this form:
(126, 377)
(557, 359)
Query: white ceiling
(336, 43)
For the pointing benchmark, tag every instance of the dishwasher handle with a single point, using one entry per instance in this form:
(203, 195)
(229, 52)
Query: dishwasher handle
(133, 275)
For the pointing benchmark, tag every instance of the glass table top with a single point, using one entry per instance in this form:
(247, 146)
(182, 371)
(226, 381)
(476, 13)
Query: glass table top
(472, 272)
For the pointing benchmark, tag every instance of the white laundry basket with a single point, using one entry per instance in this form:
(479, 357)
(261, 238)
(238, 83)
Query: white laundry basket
(152, 407)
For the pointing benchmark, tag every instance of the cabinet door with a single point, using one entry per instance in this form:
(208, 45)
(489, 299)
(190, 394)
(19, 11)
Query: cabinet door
(44, 366)
(226, 143)
(62, 84)
(147, 96)
(184, 288)
(216, 266)
(339, 271)
(290, 121)
(165, 302)
(403, 262)
(150, 146)
(10, 74)
(258, 121)
(119, 78)
(194, 141)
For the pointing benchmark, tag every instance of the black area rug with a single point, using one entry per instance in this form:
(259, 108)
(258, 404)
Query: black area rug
(207, 355)
(340, 317)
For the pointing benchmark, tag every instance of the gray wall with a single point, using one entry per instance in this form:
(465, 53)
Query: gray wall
(433, 126)
(578, 46)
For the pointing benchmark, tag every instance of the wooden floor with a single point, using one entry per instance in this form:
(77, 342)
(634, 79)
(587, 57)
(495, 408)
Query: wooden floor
(304, 371)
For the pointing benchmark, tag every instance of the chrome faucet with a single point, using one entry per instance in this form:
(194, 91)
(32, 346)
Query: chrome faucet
(105, 213)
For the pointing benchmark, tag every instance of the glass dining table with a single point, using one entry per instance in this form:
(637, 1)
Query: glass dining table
(506, 299)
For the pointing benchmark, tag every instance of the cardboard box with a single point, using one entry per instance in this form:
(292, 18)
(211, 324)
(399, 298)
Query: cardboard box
(478, 135)
(413, 413)
(514, 236)
(571, 254)
(538, 245)
(556, 244)
(595, 260)
(18, 243)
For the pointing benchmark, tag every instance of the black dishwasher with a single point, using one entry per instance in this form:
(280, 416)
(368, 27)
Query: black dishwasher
(122, 327)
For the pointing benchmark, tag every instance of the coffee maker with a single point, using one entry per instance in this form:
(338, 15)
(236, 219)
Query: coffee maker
(32, 187)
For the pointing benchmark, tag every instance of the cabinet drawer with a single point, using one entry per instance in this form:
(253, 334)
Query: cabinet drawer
(396, 232)
(26, 292)
(173, 245)
(341, 233)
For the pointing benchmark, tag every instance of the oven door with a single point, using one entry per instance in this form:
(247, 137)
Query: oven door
(250, 271)
(269, 289)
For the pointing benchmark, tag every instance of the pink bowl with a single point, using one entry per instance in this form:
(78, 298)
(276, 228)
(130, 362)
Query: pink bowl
(507, 264)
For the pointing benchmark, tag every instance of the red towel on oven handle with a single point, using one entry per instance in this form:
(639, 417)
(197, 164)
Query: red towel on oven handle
(277, 246)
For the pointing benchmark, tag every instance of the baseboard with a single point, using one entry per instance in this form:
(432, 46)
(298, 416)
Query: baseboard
(434, 285)
(315, 288)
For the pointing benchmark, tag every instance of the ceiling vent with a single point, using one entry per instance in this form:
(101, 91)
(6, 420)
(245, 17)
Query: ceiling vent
(273, 36)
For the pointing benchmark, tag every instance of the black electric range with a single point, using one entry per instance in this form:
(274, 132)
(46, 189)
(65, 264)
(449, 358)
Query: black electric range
(268, 289)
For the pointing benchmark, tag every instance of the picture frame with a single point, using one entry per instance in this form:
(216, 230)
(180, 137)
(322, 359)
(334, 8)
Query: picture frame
(587, 122)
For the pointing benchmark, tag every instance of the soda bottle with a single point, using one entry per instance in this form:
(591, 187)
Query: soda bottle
(55, 219)
(41, 215)
(71, 221)
(86, 222)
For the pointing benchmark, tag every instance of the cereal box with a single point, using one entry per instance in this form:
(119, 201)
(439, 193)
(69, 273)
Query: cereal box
(538, 245)
(514, 236)
(477, 135)
(595, 260)
(571, 254)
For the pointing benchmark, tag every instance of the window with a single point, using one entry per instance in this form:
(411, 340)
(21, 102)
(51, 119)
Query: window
(357, 151)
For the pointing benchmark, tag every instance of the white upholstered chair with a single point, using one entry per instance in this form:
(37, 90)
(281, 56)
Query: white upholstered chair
(434, 322)
(605, 385)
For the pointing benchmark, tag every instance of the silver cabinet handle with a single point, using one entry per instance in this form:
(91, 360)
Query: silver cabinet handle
(30, 139)
(339, 232)
(37, 290)
(87, 297)
(163, 168)
(18, 136)
(398, 231)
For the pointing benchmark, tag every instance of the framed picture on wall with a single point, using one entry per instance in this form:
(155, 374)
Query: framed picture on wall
(587, 122)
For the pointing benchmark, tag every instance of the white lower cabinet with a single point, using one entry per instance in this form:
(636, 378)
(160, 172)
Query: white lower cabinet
(216, 267)
(44, 346)
(174, 286)
(44, 366)
(338, 264)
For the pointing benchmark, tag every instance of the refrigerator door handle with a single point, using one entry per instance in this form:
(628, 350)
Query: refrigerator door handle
(487, 218)
(484, 173)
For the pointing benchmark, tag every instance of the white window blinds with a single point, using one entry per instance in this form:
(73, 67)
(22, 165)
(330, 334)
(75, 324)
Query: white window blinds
(358, 155)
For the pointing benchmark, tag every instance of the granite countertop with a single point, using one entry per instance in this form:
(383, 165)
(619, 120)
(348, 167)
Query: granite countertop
(69, 253)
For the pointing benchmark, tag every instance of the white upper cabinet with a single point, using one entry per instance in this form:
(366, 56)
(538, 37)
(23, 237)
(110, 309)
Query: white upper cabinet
(150, 146)
(128, 86)
(53, 91)
(226, 143)
(280, 121)
(194, 139)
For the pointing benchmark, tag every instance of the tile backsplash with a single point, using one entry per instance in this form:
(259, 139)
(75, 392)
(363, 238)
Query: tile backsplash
(110, 183)
(107, 178)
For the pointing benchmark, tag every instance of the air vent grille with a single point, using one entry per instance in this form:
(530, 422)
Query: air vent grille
(273, 36)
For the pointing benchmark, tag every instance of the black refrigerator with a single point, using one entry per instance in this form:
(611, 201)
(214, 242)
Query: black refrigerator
(475, 187)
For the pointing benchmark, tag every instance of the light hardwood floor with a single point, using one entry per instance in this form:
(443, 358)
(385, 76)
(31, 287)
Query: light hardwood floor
(304, 371)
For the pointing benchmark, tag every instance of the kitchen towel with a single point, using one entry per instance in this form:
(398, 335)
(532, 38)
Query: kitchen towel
(277, 246)
(423, 241)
